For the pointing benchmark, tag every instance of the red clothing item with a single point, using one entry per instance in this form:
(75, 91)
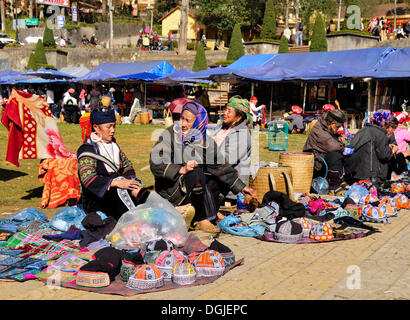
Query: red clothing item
(11, 120)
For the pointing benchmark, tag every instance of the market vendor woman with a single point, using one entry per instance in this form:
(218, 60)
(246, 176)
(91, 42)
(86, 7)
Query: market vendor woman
(108, 181)
(189, 169)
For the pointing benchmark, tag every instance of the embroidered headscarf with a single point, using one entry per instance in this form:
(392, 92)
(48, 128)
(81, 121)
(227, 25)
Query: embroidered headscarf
(242, 105)
(198, 129)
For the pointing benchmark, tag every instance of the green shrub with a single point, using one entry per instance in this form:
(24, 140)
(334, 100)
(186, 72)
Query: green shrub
(284, 45)
(269, 21)
(318, 42)
(236, 49)
(31, 62)
(39, 54)
(224, 63)
(200, 59)
(46, 66)
(48, 38)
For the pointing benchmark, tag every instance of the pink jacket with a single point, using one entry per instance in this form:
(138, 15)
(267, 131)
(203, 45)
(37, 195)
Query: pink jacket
(402, 136)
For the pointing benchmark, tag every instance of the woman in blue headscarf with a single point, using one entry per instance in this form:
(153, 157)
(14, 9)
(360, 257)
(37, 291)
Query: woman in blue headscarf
(189, 169)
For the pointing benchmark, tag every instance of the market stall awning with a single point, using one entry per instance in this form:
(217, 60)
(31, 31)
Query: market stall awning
(48, 74)
(181, 76)
(250, 61)
(397, 65)
(96, 76)
(75, 71)
(160, 68)
(145, 76)
(319, 65)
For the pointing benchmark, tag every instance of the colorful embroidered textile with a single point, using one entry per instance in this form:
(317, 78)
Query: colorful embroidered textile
(61, 182)
(85, 126)
(20, 239)
(68, 263)
(33, 131)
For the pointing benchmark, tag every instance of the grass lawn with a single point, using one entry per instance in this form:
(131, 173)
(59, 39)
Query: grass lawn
(20, 187)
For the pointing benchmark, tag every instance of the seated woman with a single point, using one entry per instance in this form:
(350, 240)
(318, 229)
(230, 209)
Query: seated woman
(188, 168)
(374, 147)
(324, 141)
(108, 182)
(296, 125)
(233, 138)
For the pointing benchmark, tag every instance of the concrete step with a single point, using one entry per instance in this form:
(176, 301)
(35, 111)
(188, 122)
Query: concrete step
(299, 49)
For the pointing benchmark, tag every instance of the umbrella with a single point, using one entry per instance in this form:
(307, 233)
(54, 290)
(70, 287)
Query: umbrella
(177, 104)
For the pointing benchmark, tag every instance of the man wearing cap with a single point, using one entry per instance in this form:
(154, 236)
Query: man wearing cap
(255, 111)
(108, 181)
(324, 141)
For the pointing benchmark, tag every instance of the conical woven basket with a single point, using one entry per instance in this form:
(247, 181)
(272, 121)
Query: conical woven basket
(302, 164)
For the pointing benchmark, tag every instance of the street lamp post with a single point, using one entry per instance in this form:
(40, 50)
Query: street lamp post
(15, 18)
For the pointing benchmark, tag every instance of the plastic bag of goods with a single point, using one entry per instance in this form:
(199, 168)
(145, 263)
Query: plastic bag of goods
(155, 219)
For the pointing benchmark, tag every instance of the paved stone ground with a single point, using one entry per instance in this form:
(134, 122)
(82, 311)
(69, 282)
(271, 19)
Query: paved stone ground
(379, 265)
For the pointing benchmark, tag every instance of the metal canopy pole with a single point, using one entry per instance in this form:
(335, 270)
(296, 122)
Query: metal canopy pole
(304, 96)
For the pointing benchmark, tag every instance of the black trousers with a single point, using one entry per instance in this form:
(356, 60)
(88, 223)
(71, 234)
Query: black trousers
(397, 164)
(205, 193)
(71, 114)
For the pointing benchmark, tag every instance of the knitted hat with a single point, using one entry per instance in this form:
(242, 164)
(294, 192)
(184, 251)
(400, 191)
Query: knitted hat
(209, 264)
(401, 201)
(389, 200)
(166, 261)
(369, 199)
(127, 269)
(253, 99)
(321, 231)
(296, 109)
(306, 224)
(398, 187)
(388, 210)
(328, 107)
(151, 256)
(159, 245)
(226, 253)
(146, 277)
(183, 273)
(288, 231)
(92, 279)
(374, 214)
(362, 208)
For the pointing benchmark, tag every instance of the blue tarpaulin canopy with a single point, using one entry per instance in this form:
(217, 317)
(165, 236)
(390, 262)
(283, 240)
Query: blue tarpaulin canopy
(48, 73)
(160, 68)
(182, 75)
(75, 71)
(319, 65)
(96, 76)
(396, 65)
(251, 61)
(145, 76)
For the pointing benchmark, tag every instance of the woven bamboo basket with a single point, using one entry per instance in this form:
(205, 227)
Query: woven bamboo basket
(144, 116)
(267, 179)
(137, 119)
(302, 164)
(105, 101)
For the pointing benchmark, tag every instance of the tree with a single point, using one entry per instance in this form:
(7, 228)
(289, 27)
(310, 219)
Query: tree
(3, 16)
(236, 49)
(222, 14)
(319, 42)
(200, 59)
(48, 38)
(39, 54)
(31, 62)
(269, 22)
(284, 46)
(183, 27)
